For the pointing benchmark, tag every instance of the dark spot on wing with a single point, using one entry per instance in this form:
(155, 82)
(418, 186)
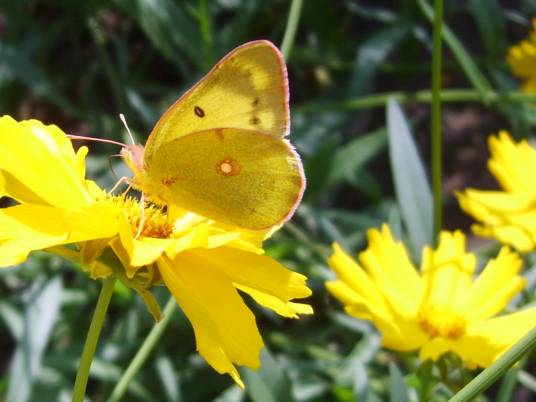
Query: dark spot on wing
(169, 181)
(255, 120)
(255, 102)
(199, 112)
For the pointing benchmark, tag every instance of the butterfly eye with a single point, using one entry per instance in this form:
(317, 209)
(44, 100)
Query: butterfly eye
(199, 112)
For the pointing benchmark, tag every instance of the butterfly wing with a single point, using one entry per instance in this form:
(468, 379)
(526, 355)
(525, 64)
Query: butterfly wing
(235, 176)
(247, 89)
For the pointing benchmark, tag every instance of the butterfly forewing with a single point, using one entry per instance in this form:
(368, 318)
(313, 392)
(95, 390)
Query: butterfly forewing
(247, 89)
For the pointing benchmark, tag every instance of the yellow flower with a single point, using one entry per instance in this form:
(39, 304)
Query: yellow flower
(509, 215)
(202, 263)
(440, 309)
(522, 60)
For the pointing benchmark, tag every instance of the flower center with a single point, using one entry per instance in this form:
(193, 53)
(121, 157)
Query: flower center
(441, 322)
(155, 220)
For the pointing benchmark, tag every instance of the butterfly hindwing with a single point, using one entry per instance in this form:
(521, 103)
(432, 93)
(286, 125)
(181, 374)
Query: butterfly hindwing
(231, 175)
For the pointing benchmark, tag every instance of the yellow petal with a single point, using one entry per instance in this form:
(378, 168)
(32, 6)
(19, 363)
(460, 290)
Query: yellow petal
(391, 270)
(473, 350)
(263, 278)
(41, 158)
(484, 341)
(448, 274)
(512, 235)
(224, 327)
(26, 228)
(344, 293)
(350, 273)
(495, 286)
(510, 163)
(147, 250)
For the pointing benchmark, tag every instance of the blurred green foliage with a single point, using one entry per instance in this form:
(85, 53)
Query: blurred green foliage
(79, 63)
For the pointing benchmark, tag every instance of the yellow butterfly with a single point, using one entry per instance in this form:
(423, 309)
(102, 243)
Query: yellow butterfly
(220, 150)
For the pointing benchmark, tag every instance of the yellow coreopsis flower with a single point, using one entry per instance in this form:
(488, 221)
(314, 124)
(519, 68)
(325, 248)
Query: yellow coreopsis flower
(509, 215)
(440, 309)
(202, 263)
(522, 60)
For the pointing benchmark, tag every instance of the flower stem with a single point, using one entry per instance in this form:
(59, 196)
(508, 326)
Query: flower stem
(292, 26)
(487, 377)
(95, 327)
(436, 119)
(143, 352)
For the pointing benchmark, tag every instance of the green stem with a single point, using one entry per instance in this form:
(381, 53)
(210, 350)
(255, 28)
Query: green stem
(143, 352)
(292, 26)
(456, 95)
(436, 119)
(95, 327)
(487, 377)
(206, 32)
(467, 63)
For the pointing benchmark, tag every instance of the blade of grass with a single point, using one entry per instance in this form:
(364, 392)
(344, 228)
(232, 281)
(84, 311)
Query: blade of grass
(436, 120)
(411, 186)
(206, 33)
(292, 26)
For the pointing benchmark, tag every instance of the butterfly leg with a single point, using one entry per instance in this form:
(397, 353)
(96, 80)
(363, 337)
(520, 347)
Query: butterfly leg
(142, 214)
(121, 180)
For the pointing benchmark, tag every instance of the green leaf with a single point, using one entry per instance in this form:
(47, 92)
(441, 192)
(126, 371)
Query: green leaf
(43, 304)
(166, 373)
(398, 391)
(169, 28)
(372, 53)
(351, 157)
(270, 383)
(30, 75)
(411, 186)
(490, 21)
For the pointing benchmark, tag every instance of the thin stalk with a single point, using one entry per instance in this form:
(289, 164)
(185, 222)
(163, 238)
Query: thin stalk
(436, 119)
(292, 26)
(206, 32)
(143, 353)
(95, 327)
(487, 377)
(455, 95)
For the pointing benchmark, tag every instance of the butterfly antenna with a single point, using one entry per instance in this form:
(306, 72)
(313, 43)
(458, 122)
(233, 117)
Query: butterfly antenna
(84, 138)
(124, 121)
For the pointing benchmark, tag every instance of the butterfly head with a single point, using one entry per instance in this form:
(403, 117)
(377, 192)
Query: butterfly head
(133, 157)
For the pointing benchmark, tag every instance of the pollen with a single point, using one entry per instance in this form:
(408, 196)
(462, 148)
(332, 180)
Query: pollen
(441, 322)
(155, 220)
(228, 167)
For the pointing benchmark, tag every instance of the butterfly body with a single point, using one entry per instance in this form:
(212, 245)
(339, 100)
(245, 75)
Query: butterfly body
(220, 149)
